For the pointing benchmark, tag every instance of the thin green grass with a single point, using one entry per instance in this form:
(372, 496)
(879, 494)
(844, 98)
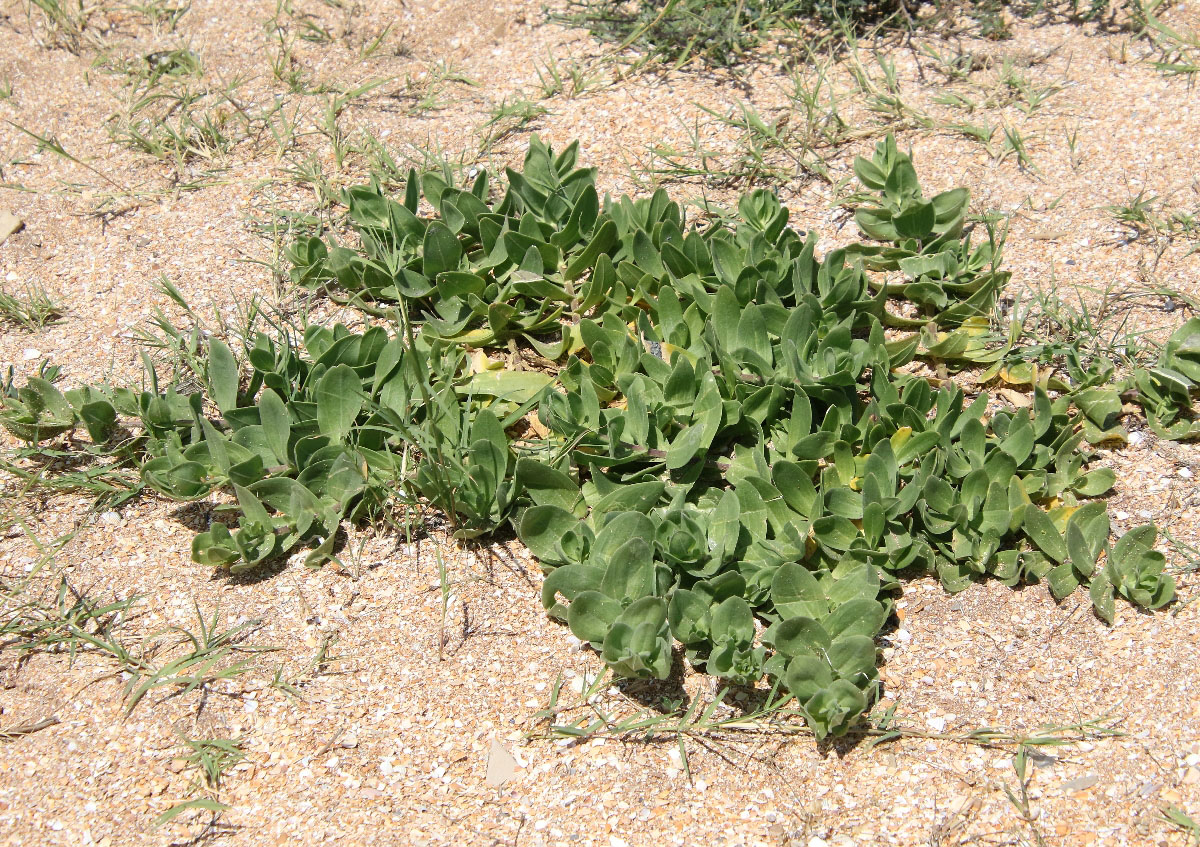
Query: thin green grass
(585, 712)
(1183, 822)
(31, 309)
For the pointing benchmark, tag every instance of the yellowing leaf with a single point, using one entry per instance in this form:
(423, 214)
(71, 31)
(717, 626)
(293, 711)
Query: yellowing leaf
(900, 436)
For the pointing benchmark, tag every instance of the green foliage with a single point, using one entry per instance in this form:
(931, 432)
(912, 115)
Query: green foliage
(37, 411)
(32, 310)
(719, 33)
(726, 439)
(1183, 822)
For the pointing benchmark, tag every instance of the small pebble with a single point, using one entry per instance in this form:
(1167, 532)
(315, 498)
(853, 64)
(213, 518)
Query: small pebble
(1081, 783)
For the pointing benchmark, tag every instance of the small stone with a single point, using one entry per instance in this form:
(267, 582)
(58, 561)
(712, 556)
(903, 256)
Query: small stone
(1186, 473)
(1080, 783)
(9, 223)
(31, 353)
(501, 766)
(349, 741)
(177, 765)
(1192, 776)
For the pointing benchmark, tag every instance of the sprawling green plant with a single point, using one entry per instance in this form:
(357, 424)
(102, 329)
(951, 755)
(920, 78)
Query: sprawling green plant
(720, 32)
(707, 435)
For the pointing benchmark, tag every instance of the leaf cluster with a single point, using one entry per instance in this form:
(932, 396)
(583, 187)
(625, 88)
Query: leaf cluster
(720, 442)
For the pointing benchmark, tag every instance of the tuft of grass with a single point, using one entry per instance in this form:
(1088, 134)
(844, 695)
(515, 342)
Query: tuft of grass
(203, 665)
(1059, 329)
(767, 150)
(63, 624)
(373, 45)
(954, 65)
(161, 14)
(428, 91)
(718, 33)
(981, 132)
(726, 33)
(1017, 88)
(1071, 137)
(510, 116)
(32, 309)
(173, 111)
(880, 91)
(1179, 50)
(78, 25)
(73, 623)
(211, 758)
(569, 79)
(1020, 798)
(1014, 145)
(318, 665)
(1148, 215)
(65, 22)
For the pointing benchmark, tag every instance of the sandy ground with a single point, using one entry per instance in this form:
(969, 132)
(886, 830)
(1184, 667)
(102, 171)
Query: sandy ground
(400, 692)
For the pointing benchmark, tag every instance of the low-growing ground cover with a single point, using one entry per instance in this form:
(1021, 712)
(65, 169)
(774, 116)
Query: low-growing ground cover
(751, 440)
(726, 431)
